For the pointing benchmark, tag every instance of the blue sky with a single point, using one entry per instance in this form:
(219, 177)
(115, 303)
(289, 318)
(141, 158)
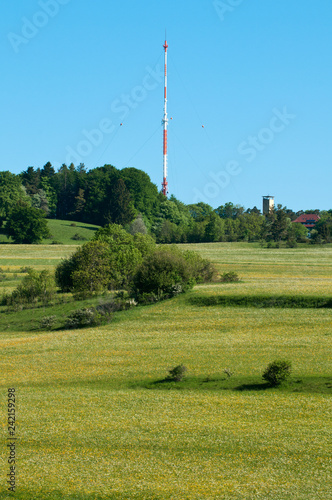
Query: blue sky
(249, 93)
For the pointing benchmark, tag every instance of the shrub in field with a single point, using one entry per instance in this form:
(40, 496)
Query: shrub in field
(94, 316)
(92, 268)
(107, 262)
(126, 253)
(291, 243)
(35, 287)
(230, 277)
(202, 269)
(47, 322)
(177, 373)
(277, 372)
(86, 271)
(63, 274)
(109, 306)
(82, 318)
(78, 237)
(162, 275)
(25, 269)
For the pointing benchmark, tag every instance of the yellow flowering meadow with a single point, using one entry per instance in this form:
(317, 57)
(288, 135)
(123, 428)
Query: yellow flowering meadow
(95, 420)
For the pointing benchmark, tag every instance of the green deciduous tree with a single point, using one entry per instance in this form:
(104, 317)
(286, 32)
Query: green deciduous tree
(26, 224)
(11, 194)
(215, 228)
(143, 192)
(229, 211)
(107, 262)
(163, 274)
(297, 232)
(124, 255)
(92, 268)
(251, 226)
(324, 228)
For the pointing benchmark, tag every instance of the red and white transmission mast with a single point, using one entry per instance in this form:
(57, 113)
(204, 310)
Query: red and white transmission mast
(165, 123)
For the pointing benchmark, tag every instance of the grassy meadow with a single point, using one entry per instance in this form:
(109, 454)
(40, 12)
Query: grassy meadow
(97, 420)
(62, 232)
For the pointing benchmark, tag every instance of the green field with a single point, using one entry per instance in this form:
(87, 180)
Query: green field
(96, 420)
(63, 232)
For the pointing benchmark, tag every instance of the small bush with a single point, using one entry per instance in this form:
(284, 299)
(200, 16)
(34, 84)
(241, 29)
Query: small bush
(73, 224)
(291, 243)
(277, 372)
(47, 322)
(176, 374)
(202, 269)
(230, 277)
(150, 298)
(89, 316)
(56, 242)
(34, 288)
(82, 318)
(164, 274)
(112, 305)
(78, 237)
(86, 271)
(25, 269)
(228, 372)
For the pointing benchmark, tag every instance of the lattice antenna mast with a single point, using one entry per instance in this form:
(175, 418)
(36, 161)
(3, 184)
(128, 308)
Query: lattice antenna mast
(165, 123)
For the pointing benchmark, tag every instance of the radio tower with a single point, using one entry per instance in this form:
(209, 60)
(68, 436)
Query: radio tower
(165, 123)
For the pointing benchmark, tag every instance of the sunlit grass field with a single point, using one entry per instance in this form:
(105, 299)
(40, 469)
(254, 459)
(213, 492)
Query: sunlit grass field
(63, 232)
(96, 420)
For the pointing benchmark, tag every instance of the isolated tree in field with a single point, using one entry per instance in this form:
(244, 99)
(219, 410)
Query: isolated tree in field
(27, 224)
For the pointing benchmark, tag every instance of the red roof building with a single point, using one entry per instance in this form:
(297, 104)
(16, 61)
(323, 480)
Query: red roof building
(308, 220)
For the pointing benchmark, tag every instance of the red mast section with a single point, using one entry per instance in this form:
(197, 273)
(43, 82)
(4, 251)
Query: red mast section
(165, 123)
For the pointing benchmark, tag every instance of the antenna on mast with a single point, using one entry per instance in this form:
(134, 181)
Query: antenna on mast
(165, 123)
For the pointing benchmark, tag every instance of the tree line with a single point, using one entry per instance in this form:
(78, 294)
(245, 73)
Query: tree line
(106, 195)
